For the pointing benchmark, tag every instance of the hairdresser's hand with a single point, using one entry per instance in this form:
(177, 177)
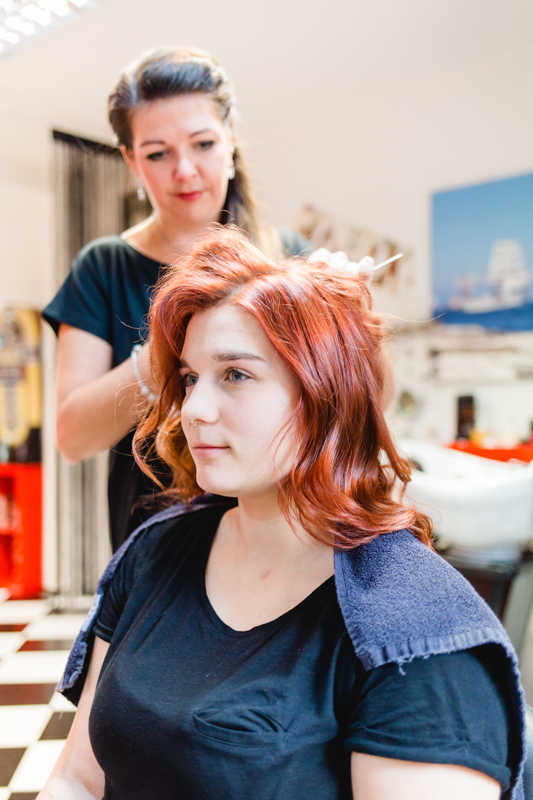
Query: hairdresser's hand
(340, 261)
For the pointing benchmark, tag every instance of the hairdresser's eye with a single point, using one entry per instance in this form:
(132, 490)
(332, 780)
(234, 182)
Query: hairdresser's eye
(205, 144)
(188, 380)
(157, 156)
(236, 376)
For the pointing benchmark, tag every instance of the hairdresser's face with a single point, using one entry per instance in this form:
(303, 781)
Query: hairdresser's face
(181, 152)
(241, 394)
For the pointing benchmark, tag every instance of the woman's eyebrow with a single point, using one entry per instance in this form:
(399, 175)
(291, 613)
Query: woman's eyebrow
(239, 356)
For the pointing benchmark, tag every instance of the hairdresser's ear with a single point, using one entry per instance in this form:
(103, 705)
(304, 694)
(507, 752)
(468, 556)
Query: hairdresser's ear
(127, 155)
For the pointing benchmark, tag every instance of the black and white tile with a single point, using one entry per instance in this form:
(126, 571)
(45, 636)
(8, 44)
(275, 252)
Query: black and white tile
(34, 719)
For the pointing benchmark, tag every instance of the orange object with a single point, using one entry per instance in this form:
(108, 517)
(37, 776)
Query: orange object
(522, 452)
(21, 529)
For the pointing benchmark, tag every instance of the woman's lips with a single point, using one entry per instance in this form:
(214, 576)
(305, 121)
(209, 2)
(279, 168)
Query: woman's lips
(207, 449)
(190, 197)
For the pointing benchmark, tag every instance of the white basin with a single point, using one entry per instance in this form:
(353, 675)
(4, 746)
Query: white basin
(475, 503)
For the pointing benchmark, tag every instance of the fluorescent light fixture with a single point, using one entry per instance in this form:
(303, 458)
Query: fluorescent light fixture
(36, 14)
(59, 7)
(20, 25)
(9, 37)
(24, 21)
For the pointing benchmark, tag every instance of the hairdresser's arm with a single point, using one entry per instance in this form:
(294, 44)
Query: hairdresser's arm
(77, 774)
(377, 778)
(96, 405)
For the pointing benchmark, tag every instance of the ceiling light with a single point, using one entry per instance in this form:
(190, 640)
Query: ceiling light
(59, 7)
(36, 14)
(20, 25)
(31, 19)
(10, 38)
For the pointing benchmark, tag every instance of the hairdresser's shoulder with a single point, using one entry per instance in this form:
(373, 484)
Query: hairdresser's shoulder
(293, 243)
(103, 252)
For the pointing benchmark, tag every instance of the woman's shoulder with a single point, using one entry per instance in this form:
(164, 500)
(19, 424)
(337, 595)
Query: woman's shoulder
(401, 600)
(171, 528)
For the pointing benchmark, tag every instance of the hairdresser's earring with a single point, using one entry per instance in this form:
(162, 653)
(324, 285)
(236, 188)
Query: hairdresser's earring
(193, 423)
(141, 194)
(231, 166)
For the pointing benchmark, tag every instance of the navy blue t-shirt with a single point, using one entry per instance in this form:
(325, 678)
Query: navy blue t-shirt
(188, 707)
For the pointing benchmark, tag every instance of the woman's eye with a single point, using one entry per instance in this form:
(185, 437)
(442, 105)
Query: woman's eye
(236, 376)
(188, 380)
(205, 144)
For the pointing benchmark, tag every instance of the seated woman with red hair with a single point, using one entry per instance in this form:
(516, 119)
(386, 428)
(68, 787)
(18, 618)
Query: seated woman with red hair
(284, 629)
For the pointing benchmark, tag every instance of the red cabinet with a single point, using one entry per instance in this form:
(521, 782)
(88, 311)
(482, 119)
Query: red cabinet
(21, 529)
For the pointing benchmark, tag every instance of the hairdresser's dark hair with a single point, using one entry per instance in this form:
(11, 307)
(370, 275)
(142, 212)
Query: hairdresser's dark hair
(342, 485)
(169, 72)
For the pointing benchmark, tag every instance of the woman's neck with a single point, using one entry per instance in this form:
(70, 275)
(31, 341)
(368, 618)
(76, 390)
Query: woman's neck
(263, 535)
(260, 566)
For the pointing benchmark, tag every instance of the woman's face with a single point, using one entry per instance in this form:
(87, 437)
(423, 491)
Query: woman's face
(240, 394)
(181, 151)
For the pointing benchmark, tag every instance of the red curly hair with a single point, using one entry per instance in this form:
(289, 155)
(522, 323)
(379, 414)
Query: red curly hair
(321, 322)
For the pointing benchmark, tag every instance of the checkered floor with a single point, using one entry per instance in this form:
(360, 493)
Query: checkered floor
(34, 720)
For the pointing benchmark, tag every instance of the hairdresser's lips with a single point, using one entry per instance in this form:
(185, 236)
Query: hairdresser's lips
(190, 197)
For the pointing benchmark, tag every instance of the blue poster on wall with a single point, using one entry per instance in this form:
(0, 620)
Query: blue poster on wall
(483, 255)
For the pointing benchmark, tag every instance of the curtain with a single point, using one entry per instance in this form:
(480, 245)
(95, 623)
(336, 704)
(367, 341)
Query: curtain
(94, 196)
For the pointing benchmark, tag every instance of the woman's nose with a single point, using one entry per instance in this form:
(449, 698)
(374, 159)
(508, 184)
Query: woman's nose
(199, 405)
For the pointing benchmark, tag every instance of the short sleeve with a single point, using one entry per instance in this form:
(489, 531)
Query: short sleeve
(122, 584)
(445, 709)
(83, 300)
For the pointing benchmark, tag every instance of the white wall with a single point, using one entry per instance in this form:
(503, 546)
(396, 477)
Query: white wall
(374, 159)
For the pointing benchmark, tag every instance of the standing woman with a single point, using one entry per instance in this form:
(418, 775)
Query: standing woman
(172, 113)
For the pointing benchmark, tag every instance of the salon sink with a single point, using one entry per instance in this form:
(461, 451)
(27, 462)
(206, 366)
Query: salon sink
(482, 509)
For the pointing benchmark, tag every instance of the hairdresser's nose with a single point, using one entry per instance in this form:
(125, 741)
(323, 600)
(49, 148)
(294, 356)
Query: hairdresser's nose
(200, 405)
(185, 166)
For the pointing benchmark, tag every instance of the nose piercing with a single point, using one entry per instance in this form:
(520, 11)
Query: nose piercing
(193, 423)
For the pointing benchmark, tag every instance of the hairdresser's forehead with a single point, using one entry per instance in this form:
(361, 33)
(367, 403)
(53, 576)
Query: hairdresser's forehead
(164, 118)
(226, 329)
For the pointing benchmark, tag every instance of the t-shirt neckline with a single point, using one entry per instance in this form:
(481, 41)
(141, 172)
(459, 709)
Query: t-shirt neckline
(143, 255)
(258, 630)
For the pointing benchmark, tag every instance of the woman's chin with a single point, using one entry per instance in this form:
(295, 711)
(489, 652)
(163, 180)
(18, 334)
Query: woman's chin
(216, 487)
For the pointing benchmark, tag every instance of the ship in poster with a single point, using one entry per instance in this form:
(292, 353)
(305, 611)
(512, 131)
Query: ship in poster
(507, 281)
(504, 300)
